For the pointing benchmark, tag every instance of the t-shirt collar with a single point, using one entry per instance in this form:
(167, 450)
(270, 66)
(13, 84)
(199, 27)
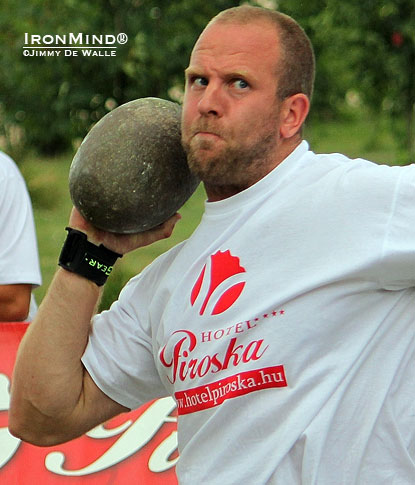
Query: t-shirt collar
(270, 181)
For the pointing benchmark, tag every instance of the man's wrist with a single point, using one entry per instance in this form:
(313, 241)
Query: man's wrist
(86, 259)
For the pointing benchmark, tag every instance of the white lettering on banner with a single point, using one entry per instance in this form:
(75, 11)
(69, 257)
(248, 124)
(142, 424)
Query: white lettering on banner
(4, 392)
(137, 435)
(8, 443)
(101, 432)
(134, 435)
(159, 461)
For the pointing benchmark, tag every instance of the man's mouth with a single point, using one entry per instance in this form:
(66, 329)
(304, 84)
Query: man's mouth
(207, 134)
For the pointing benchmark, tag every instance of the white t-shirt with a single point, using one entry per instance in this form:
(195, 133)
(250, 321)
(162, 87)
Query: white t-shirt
(284, 329)
(19, 260)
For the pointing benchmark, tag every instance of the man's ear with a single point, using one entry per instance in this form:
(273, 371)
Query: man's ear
(294, 111)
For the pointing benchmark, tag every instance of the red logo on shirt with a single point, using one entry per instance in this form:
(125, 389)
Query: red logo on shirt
(219, 284)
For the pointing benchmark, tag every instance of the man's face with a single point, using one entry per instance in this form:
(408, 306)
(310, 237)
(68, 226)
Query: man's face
(230, 121)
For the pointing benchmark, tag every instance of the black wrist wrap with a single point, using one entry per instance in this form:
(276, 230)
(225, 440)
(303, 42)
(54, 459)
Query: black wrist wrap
(80, 256)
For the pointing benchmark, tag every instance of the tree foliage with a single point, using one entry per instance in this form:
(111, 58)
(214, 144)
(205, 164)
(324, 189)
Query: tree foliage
(365, 59)
(55, 100)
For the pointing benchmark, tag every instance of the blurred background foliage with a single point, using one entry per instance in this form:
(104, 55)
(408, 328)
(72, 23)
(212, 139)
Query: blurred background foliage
(365, 63)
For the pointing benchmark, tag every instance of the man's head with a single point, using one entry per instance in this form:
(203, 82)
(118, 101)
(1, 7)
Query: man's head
(295, 69)
(242, 115)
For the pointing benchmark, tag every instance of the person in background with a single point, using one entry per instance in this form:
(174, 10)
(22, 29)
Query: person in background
(19, 259)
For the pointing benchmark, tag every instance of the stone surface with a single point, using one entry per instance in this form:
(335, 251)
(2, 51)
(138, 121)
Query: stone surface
(130, 173)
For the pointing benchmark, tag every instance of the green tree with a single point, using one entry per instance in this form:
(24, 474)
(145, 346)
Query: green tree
(365, 53)
(51, 101)
(366, 49)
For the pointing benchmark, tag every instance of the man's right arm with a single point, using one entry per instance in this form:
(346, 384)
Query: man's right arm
(53, 397)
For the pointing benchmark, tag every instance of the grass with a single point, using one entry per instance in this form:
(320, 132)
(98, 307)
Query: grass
(47, 180)
(370, 139)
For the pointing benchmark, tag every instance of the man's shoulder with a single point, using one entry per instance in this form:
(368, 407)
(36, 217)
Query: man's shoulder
(360, 167)
(354, 178)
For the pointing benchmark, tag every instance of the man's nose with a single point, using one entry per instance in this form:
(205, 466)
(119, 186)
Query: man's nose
(212, 102)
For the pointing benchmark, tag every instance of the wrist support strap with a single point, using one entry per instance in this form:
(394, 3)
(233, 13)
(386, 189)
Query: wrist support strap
(80, 256)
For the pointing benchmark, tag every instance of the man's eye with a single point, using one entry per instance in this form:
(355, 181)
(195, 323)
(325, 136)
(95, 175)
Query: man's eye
(240, 84)
(200, 81)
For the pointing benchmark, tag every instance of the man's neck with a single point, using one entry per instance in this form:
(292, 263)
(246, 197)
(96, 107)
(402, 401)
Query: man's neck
(217, 192)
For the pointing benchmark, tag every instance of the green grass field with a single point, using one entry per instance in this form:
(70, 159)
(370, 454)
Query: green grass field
(47, 179)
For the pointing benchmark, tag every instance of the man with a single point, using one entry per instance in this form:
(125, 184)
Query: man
(283, 327)
(19, 260)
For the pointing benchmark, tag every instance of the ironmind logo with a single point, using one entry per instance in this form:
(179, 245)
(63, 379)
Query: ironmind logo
(219, 284)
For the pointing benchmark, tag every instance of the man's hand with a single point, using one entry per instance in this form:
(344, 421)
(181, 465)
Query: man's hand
(122, 243)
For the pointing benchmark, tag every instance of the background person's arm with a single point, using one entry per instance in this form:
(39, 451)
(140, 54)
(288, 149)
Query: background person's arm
(14, 302)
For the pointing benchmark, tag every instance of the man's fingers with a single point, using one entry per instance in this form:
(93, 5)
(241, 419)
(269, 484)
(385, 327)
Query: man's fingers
(163, 231)
(122, 243)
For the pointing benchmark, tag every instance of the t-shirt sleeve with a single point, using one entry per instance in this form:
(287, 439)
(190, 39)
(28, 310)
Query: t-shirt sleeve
(119, 355)
(19, 259)
(398, 250)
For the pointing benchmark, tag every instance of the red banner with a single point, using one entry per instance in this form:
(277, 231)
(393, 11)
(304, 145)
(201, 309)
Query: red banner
(139, 447)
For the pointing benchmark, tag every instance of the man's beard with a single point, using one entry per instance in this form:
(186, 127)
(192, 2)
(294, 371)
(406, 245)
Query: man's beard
(234, 165)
